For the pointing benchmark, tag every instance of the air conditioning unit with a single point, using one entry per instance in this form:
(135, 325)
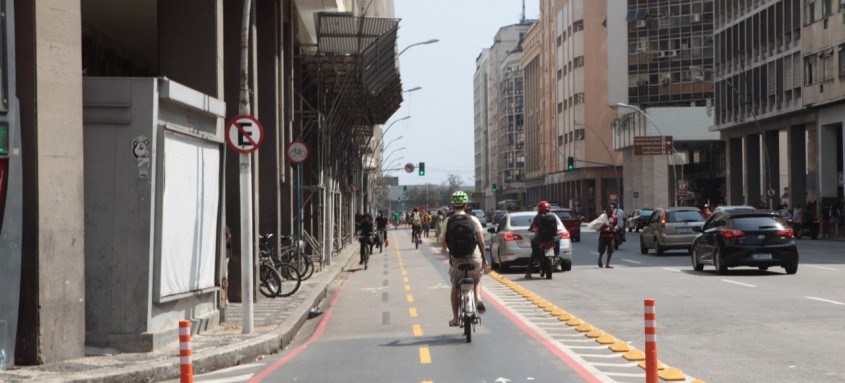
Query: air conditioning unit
(661, 54)
(671, 53)
(698, 79)
(666, 81)
(696, 17)
(641, 24)
(642, 82)
(642, 50)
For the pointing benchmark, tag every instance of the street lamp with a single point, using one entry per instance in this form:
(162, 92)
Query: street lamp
(390, 142)
(753, 116)
(392, 152)
(432, 41)
(672, 148)
(412, 89)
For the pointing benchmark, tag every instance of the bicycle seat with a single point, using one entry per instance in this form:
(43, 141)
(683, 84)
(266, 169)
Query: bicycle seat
(266, 236)
(466, 266)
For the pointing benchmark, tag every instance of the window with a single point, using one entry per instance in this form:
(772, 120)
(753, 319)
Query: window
(579, 98)
(810, 70)
(579, 134)
(842, 60)
(578, 62)
(826, 64)
(827, 8)
(579, 25)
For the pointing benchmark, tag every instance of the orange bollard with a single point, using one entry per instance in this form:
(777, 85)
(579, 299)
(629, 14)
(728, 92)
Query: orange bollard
(185, 363)
(650, 342)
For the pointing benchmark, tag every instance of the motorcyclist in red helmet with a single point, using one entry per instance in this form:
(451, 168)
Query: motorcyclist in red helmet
(544, 225)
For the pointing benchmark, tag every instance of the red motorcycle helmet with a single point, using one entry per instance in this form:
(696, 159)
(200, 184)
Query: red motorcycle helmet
(543, 207)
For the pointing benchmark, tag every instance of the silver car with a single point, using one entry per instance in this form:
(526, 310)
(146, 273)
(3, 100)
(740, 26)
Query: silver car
(510, 243)
(670, 228)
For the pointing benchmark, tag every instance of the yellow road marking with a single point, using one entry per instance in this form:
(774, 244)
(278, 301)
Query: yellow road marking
(413, 312)
(404, 272)
(405, 279)
(417, 330)
(427, 381)
(407, 287)
(425, 356)
(410, 298)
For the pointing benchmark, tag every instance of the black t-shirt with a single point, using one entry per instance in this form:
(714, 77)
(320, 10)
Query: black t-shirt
(366, 227)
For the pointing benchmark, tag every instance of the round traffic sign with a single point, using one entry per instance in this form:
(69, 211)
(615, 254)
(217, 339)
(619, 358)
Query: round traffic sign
(771, 192)
(244, 134)
(409, 167)
(298, 152)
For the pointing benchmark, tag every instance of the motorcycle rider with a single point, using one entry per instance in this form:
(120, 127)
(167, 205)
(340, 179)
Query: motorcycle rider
(544, 225)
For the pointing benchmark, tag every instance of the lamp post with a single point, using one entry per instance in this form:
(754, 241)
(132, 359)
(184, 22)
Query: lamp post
(672, 148)
(412, 89)
(390, 168)
(432, 41)
(393, 152)
(612, 161)
(753, 116)
(390, 142)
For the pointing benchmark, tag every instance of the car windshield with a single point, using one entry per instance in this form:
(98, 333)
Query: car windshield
(757, 223)
(478, 213)
(646, 213)
(684, 216)
(564, 214)
(521, 220)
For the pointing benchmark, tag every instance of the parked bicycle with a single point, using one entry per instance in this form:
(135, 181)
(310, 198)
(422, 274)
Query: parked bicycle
(287, 254)
(467, 311)
(289, 277)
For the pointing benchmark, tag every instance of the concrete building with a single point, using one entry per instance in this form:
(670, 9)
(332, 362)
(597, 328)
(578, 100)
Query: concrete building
(779, 99)
(117, 113)
(534, 95)
(481, 133)
(661, 61)
(499, 71)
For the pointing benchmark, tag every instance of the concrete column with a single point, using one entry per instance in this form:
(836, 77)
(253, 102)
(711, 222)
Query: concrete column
(191, 43)
(734, 166)
(828, 175)
(771, 171)
(754, 193)
(797, 154)
(52, 316)
(269, 156)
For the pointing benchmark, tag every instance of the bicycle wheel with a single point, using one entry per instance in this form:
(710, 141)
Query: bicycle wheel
(467, 327)
(270, 281)
(290, 279)
(307, 267)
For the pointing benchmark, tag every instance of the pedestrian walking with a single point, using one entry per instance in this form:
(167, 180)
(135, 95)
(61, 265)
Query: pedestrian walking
(606, 225)
(797, 220)
(835, 220)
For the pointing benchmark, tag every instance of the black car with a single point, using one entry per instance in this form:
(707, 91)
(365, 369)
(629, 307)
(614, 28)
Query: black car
(638, 219)
(756, 239)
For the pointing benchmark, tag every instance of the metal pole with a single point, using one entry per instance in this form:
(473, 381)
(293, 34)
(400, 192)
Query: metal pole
(246, 184)
(298, 208)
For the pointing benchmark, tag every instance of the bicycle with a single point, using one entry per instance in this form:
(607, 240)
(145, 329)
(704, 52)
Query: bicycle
(381, 236)
(366, 248)
(467, 312)
(415, 236)
(270, 281)
(288, 277)
(287, 254)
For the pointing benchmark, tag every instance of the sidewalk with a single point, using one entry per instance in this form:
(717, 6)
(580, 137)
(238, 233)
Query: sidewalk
(276, 321)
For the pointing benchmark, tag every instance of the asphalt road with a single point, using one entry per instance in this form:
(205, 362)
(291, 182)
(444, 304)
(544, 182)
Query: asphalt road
(747, 326)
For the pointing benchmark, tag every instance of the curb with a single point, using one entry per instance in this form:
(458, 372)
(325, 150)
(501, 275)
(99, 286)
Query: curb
(247, 350)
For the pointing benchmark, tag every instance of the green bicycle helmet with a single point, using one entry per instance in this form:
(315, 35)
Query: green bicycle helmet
(459, 198)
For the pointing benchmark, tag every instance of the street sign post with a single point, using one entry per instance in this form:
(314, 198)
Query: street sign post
(298, 152)
(244, 134)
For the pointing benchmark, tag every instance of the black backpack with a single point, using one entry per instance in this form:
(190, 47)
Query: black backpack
(547, 225)
(460, 236)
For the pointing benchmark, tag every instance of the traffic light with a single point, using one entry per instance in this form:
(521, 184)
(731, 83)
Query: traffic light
(570, 163)
(495, 188)
(422, 168)
(404, 190)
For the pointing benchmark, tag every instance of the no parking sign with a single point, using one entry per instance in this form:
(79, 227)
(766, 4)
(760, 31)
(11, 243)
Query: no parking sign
(244, 134)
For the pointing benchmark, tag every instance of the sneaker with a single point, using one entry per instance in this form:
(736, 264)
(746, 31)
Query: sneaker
(480, 306)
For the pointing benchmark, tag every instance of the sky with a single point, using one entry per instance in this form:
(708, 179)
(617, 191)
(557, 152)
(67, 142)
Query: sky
(440, 130)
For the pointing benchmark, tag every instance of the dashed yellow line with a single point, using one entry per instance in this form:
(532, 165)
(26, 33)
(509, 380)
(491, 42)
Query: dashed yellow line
(418, 330)
(407, 287)
(425, 356)
(404, 272)
(405, 279)
(410, 298)
(413, 312)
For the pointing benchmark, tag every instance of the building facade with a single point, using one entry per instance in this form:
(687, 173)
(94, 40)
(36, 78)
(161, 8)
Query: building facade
(113, 99)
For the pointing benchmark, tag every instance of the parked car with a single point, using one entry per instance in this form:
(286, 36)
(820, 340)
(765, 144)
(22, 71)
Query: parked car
(638, 219)
(570, 221)
(670, 228)
(510, 244)
(756, 239)
(478, 213)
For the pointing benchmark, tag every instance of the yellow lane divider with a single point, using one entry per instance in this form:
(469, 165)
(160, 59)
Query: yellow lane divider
(418, 330)
(425, 355)
(632, 354)
(413, 312)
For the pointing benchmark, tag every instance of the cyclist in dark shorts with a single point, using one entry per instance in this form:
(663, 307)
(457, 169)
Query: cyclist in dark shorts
(381, 225)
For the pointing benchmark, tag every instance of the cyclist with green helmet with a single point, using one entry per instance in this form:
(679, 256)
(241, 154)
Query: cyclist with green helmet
(475, 256)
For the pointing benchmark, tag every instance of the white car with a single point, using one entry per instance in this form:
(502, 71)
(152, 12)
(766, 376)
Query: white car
(510, 244)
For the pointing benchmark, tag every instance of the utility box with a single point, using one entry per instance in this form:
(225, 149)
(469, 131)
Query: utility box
(154, 249)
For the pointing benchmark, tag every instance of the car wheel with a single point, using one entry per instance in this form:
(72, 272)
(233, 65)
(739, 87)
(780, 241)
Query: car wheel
(721, 268)
(762, 268)
(503, 268)
(566, 265)
(657, 249)
(696, 265)
(643, 249)
(791, 269)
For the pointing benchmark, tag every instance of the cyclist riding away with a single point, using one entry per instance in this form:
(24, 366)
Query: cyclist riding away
(416, 225)
(364, 235)
(381, 225)
(395, 220)
(463, 239)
